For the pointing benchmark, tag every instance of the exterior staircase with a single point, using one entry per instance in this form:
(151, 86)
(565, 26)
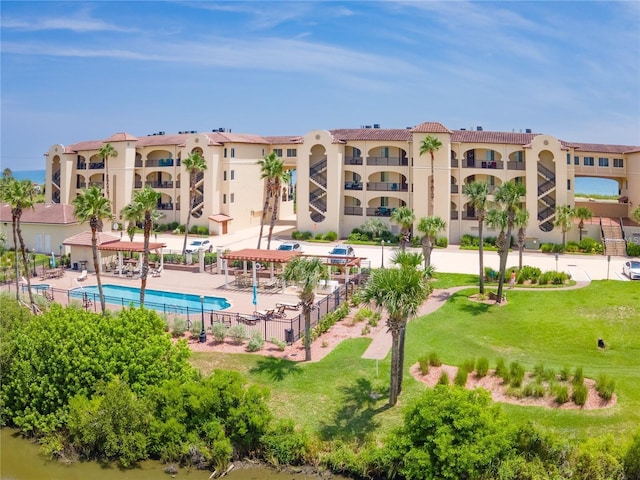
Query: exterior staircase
(318, 190)
(613, 237)
(546, 200)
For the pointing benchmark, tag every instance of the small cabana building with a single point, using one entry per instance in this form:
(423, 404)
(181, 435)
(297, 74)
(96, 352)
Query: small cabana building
(266, 264)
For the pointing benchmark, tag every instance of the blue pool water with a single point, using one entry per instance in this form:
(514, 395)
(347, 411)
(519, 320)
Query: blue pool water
(153, 299)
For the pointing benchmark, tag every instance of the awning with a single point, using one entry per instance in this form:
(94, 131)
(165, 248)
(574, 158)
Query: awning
(220, 218)
(264, 256)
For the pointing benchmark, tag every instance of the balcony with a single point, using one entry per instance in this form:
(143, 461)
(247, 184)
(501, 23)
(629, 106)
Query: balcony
(353, 160)
(96, 165)
(515, 165)
(81, 185)
(165, 206)
(454, 163)
(469, 216)
(138, 163)
(454, 188)
(387, 187)
(453, 215)
(352, 186)
(81, 165)
(388, 161)
(161, 162)
(137, 185)
(168, 184)
(96, 184)
(379, 211)
(353, 211)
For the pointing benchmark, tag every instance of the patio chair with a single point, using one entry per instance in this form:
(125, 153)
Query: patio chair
(288, 306)
(280, 311)
(156, 272)
(82, 276)
(248, 319)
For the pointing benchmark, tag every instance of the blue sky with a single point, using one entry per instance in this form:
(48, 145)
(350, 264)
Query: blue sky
(75, 71)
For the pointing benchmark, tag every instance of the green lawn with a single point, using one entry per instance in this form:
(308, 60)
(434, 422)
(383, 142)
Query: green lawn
(558, 328)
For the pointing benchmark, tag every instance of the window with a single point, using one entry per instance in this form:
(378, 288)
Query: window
(384, 176)
(225, 153)
(603, 162)
(224, 198)
(278, 152)
(576, 160)
(618, 163)
(292, 152)
(224, 176)
(491, 155)
(232, 198)
(568, 159)
(588, 161)
(568, 184)
(384, 201)
(519, 156)
(233, 152)
(384, 152)
(233, 176)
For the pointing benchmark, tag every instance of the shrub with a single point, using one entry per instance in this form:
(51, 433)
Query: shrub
(423, 362)
(579, 394)
(296, 235)
(461, 377)
(469, 365)
(502, 371)
(442, 242)
(632, 458)
(562, 394)
(554, 278)
(490, 274)
(578, 376)
(362, 314)
(331, 236)
(469, 241)
(278, 343)
(529, 273)
(572, 247)
(219, 331)
(238, 334)
(256, 342)
(589, 245)
(444, 379)
(434, 361)
(549, 375)
(284, 445)
(179, 327)
(534, 389)
(538, 371)
(517, 374)
(195, 329)
(565, 373)
(633, 249)
(482, 367)
(546, 247)
(605, 387)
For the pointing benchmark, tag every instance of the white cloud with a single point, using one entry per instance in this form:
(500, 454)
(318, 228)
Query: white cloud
(82, 25)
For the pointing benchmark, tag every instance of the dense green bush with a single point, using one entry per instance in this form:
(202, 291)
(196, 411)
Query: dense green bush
(330, 236)
(502, 371)
(461, 377)
(256, 342)
(296, 235)
(450, 433)
(278, 343)
(283, 444)
(219, 331)
(561, 394)
(529, 273)
(578, 376)
(516, 372)
(442, 242)
(598, 458)
(482, 367)
(633, 249)
(534, 389)
(444, 379)
(237, 333)
(423, 363)
(329, 320)
(553, 278)
(632, 458)
(572, 247)
(606, 387)
(589, 245)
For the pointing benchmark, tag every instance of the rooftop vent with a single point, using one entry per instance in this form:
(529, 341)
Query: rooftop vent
(462, 129)
(376, 125)
(479, 129)
(528, 130)
(367, 126)
(194, 131)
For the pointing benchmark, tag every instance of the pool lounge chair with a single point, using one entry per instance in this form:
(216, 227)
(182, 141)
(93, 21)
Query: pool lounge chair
(156, 272)
(82, 276)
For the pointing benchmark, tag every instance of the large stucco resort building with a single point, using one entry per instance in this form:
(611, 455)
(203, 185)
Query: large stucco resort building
(346, 176)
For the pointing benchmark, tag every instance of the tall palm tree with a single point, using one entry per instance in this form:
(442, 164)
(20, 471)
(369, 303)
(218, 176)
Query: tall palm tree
(508, 196)
(430, 227)
(399, 292)
(194, 164)
(430, 145)
(132, 214)
(521, 221)
(477, 194)
(93, 207)
(147, 201)
(583, 213)
(404, 217)
(564, 220)
(280, 176)
(307, 272)
(17, 194)
(270, 167)
(106, 152)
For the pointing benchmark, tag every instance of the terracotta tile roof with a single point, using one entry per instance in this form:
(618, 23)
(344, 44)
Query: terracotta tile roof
(121, 137)
(353, 134)
(602, 148)
(128, 246)
(431, 127)
(86, 145)
(47, 213)
(264, 256)
(291, 139)
(474, 136)
(83, 239)
(220, 217)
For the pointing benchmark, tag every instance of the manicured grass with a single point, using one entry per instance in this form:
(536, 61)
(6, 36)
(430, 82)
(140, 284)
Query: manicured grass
(557, 328)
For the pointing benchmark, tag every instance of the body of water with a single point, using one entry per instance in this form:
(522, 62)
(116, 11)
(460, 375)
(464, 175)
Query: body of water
(169, 302)
(36, 176)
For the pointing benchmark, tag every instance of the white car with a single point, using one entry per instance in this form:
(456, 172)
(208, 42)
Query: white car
(631, 269)
(342, 250)
(199, 246)
(290, 247)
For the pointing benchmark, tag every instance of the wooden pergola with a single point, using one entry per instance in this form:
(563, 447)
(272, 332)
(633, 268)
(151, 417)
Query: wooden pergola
(257, 256)
(137, 247)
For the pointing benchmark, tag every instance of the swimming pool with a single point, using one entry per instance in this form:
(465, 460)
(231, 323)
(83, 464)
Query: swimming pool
(169, 302)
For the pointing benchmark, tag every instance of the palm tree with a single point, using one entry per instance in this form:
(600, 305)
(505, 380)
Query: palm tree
(280, 176)
(521, 221)
(194, 164)
(564, 220)
(93, 207)
(430, 227)
(375, 227)
(107, 151)
(508, 196)
(400, 292)
(146, 200)
(404, 217)
(477, 193)
(430, 145)
(583, 213)
(17, 194)
(132, 214)
(307, 272)
(270, 167)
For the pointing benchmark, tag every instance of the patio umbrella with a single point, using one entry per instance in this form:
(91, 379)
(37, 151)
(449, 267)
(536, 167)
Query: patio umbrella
(255, 288)
(53, 260)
